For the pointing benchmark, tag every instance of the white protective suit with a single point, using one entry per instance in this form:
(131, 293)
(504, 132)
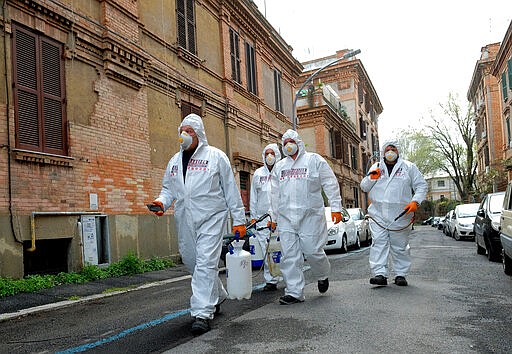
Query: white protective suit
(260, 204)
(201, 207)
(297, 206)
(389, 195)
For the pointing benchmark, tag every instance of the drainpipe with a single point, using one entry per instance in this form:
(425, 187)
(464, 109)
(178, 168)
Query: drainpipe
(50, 213)
(490, 130)
(7, 115)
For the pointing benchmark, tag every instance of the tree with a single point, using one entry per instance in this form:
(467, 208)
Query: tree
(446, 144)
(453, 134)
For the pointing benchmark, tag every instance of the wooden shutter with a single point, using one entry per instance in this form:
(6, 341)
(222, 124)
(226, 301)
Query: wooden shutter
(181, 22)
(191, 27)
(39, 95)
(337, 145)
(53, 99)
(26, 90)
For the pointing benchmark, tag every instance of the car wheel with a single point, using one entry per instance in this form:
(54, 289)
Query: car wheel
(479, 249)
(492, 255)
(507, 264)
(344, 247)
(358, 242)
(456, 235)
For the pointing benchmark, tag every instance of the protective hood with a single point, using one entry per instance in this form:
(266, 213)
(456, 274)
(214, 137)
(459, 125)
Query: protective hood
(386, 144)
(197, 124)
(292, 134)
(274, 148)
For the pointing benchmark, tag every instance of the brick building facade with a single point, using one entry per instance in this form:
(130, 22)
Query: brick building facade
(338, 115)
(89, 109)
(484, 96)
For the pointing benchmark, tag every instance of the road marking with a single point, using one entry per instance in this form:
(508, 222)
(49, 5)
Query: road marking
(126, 332)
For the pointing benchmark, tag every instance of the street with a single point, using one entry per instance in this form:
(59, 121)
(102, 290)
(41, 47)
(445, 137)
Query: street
(456, 302)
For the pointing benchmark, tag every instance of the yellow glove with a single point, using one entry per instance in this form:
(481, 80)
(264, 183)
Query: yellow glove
(252, 221)
(411, 207)
(336, 216)
(272, 225)
(240, 229)
(375, 174)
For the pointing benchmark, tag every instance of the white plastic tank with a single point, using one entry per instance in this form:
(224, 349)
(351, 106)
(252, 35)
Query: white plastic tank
(257, 255)
(238, 272)
(274, 255)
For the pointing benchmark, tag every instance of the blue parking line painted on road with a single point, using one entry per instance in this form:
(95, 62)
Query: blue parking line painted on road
(124, 333)
(140, 327)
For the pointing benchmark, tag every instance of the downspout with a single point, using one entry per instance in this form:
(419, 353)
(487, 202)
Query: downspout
(50, 213)
(491, 132)
(7, 116)
(228, 145)
(226, 131)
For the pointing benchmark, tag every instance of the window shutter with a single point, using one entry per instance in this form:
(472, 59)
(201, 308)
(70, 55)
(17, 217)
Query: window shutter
(504, 86)
(182, 32)
(191, 27)
(509, 66)
(25, 84)
(337, 145)
(53, 98)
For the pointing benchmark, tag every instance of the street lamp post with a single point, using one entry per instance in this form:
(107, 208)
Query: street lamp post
(308, 80)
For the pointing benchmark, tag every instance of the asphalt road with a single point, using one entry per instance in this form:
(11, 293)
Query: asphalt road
(457, 302)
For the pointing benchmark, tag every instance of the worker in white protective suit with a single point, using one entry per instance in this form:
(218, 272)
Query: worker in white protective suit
(260, 205)
(200, 182)
(297, 206)
(396, 187)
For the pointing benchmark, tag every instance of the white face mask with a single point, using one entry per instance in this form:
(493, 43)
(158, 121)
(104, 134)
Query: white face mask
(390, 155)
(270, 159)
(185, 140)
(290, 149)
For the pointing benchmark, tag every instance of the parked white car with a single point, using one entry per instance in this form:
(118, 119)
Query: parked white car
(363, 230)
(342, 235)
(463, 220)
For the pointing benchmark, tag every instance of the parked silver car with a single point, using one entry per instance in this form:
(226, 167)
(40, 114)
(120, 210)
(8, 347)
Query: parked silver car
(363, 230)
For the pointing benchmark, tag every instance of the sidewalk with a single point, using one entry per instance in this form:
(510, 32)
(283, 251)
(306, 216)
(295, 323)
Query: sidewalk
(69, 294)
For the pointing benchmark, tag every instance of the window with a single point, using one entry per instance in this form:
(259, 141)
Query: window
(234, 50)
(332, 148)
(188, 108)
(507, 124)
(186, 25)
(356, 197)
(39, 93)
(277, 90)
(250, 62)
(440, 183)
(244, 189)
(353, 153)
(337, 145)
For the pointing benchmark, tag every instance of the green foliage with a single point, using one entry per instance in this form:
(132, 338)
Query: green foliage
(128, 265)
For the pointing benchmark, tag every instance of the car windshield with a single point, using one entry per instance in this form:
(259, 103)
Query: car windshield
(468, 211)
(496, 203)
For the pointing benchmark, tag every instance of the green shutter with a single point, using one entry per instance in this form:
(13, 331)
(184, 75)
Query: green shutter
(509, 65)
(504, 86)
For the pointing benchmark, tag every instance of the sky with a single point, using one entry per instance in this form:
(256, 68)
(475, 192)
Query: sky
(415, 52)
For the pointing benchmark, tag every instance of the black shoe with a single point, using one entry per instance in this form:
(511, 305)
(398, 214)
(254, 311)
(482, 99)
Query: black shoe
(323, 285)
(288, 300)
(217, 307)
(270, 287)
(400, 281)
(379, 280)
(200, 326)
